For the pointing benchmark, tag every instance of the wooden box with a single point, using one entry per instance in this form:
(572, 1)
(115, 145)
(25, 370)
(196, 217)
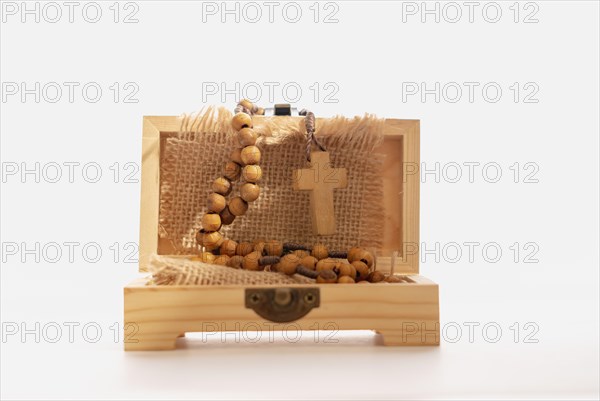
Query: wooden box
(404, 313)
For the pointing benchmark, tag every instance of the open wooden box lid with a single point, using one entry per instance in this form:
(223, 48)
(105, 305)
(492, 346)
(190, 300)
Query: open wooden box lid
(400, 181)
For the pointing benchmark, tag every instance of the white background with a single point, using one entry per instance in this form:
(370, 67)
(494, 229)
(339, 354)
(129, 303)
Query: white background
(370, 57)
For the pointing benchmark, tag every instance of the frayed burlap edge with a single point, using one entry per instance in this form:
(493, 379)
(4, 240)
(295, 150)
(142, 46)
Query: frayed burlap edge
(183, 271)
(336, 130)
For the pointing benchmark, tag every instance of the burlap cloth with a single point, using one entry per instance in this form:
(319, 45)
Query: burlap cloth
(182, 271)
(193, 158)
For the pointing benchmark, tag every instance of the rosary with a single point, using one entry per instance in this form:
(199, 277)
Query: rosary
(325, 266)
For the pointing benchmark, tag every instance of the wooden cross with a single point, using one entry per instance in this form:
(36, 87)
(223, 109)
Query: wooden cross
(321, 179)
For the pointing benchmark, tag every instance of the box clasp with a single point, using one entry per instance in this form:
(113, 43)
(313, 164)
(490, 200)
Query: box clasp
(282, 305)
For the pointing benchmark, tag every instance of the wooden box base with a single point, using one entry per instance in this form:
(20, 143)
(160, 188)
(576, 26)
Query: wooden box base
(404, 313)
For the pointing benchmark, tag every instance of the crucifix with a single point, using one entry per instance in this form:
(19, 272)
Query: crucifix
(321, 179)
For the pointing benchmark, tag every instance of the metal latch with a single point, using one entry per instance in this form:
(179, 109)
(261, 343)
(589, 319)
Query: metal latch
(282, 305)
(282, 109)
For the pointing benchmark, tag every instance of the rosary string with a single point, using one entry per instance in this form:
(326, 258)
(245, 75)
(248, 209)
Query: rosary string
(309, 122)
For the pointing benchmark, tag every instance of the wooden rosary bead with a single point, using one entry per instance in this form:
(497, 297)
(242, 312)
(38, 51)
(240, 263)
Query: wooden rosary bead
(288, 264)
(345, 269)
(244, 248)
(238, 206)
(310, 262)
(251, 261)
(247, 137)
(241, 120)
(260, 111)
(211, 222)
(300, 253)
(274, 248)
(246, 104)
(252, 173)
(226, 216)
(320, 251)
(353, 254)
(216, 202)
(249, 192)
(206, 257)
(222, 186)
(260, 247)
(235, 262)
(236, 156)
(210, 240)
(326, 264)
(327, 277)
(221, 260)
(362, 270)
(232, 170)
(346, 280)
(367, 258)
(228, 247)
(376, 276)
(251, 155)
